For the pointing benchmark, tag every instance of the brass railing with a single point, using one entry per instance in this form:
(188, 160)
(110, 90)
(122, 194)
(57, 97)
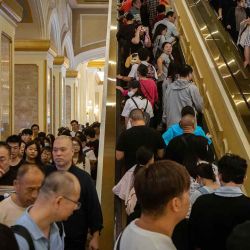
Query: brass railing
(219, 74)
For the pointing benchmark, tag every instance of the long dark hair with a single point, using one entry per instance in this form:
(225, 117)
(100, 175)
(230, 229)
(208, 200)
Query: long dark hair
(81, 157)
(160, 27)
(143, 156)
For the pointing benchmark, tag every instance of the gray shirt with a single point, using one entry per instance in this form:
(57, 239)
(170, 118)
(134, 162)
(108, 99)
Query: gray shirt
(55, 242)
(179, 94)
(165, 64)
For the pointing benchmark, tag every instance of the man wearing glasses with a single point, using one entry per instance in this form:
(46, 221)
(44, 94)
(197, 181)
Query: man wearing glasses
(57, 200)
(89, 216)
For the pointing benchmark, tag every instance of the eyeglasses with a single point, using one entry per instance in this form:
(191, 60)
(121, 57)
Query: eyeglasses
(78, 204)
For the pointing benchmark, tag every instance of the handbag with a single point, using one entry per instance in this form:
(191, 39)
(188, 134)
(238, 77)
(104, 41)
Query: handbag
(132, 59)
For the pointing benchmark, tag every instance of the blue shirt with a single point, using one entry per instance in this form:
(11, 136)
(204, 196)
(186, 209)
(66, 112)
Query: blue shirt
(176, 130)
(226, 191)
(55, 241)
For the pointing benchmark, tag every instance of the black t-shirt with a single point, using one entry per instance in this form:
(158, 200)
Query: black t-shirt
(226, 5)
(8, 178)
(130, 140)
(17, 166)
(88, 217)
(94, 145)
(126, 33)
(213, 218)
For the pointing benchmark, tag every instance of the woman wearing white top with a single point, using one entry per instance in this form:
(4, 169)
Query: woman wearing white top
(79, 159)
(136, 100)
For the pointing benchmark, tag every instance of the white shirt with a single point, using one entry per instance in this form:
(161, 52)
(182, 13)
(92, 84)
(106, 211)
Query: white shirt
(85, 167)
(141, 103)
(133, 71)
(90, 153)
(136, 238)
(10, 211)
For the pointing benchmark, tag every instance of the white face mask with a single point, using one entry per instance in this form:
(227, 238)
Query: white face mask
(131, 93)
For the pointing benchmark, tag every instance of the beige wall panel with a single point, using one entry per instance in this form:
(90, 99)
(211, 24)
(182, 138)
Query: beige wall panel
(28, 31)
(95, 31)
(26, 96)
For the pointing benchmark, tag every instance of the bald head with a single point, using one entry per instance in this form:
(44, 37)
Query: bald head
(188, 123)
(61, 183)
(63, 152)
(64, 139)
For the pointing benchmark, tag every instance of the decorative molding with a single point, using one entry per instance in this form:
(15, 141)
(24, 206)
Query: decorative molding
(34, 45)
(88, 5)
(53, 23)
(71, 74)
(12, 9)
(67, 44)
(89, 55)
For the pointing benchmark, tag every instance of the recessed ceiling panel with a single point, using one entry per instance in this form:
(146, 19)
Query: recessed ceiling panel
(91, 1)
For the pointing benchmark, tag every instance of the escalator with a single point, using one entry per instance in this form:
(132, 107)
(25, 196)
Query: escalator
(222, 81)
(219, 74)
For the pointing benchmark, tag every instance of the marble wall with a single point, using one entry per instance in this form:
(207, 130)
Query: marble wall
(5, 87)
(26, 96)
(68, 105)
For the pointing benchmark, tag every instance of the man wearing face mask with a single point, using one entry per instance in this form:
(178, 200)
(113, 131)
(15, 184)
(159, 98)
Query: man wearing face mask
(136, 100)
(182, 92)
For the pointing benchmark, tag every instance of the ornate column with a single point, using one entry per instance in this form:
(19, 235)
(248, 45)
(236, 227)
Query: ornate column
(61, 64)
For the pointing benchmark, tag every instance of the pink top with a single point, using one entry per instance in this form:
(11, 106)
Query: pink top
(149, 89)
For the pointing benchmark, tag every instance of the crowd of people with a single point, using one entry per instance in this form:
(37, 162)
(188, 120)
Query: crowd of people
(235, 17)
(48, 195)
(177, 194)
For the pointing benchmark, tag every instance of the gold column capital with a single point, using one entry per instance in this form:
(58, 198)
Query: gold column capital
(34, 45)
(60, 60)
(71, 74)
(96, 64)
(13, 9)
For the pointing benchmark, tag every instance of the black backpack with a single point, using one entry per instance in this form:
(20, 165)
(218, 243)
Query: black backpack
(145, 113)
(24, 232)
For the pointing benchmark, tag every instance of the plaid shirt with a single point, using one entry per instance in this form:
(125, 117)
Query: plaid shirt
(151, 6)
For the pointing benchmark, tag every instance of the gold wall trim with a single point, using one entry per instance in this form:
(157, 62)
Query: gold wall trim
(13, 9)
(60, 60)
(34, 45)
(71, 73)
(106, 157)
(96, 64)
